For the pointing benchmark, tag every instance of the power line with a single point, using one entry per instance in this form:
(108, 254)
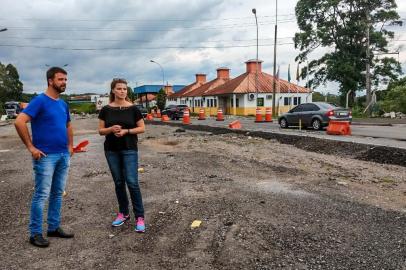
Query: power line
(140, 20)
(129, 40)
(141, 48)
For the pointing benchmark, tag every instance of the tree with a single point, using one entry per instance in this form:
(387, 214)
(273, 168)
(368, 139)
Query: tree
(131, 94)
(394, 98)
(11, 88)
(340, 26)
(161, 99)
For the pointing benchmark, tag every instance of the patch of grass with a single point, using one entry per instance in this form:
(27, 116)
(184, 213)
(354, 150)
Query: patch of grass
(86, 107)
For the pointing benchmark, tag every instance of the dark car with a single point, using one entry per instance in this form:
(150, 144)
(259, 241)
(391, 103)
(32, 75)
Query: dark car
(143, 110)
(316, 115)
(175, 111)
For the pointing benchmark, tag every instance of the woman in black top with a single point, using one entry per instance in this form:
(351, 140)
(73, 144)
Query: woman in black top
(120, 121)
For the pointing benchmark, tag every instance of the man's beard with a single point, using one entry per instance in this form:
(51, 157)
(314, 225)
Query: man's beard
(60, 89)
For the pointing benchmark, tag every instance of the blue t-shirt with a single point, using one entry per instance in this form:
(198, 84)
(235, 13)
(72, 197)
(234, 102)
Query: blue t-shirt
(49, 118)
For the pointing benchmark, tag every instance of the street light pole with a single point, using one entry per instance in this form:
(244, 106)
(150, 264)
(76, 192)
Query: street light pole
(163, 74)
(367, 75)
(256, 70)
(274, 63)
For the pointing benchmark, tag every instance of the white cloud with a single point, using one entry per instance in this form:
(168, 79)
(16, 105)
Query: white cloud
(144, 28)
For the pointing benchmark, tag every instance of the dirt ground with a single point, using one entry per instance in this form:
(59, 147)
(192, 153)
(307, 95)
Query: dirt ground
(263, 205)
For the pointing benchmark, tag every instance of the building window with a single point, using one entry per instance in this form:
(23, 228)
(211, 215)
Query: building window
(215, 102)
(287, 101)
(295, 100)
(260, 102)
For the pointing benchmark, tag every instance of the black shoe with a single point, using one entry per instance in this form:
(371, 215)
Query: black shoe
(39, 241)
(60, 233)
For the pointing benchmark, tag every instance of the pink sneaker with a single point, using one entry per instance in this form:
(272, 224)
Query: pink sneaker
(140, 225)
(120, 219)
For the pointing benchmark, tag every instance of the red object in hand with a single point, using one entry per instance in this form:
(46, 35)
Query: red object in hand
(80, 147)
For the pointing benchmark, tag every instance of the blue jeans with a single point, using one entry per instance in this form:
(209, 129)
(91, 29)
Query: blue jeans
(50, 174)
(124, 169)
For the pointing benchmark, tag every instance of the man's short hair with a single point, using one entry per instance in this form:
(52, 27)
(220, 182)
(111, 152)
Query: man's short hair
(53, 70)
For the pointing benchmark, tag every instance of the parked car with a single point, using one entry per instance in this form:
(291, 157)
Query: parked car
(143, 110)
(174, 111)
(316, 115)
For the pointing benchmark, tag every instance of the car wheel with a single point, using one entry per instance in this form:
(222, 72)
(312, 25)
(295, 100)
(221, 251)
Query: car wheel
(316, 124)
(283, 123)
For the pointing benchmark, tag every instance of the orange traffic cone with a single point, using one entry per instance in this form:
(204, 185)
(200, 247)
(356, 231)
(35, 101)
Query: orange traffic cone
(202, 115)
(235, 125)
(268, 115)
(150, 117)
(158, 114)
(258, 116)
(164, 118)
(186, 117)
(220, 116)
(81, 147)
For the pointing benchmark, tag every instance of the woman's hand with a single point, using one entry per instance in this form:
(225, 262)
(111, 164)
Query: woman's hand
(115, 129)
(121, 133)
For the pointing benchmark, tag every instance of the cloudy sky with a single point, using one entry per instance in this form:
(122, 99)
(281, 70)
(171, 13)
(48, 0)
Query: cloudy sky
(100, 40)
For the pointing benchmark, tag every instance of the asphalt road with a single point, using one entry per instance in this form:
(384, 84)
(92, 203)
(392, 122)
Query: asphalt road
(392, 136)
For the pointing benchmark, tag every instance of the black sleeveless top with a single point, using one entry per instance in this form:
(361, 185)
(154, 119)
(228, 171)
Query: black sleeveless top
(126, 117)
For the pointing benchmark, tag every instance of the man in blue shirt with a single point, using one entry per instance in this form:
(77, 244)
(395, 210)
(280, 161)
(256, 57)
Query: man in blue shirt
(51, 147)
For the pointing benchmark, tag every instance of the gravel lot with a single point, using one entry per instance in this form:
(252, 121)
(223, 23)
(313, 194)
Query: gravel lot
(263, 205)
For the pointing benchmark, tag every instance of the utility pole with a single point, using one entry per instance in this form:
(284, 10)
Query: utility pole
(274, 63)
(368, 68)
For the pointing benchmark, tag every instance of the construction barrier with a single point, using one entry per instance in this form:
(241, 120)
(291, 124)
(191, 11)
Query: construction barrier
(150, 117)
(164, 118)
(258, 116)
(220, 116)
(186, 117)
(268, 115)
(235, 125)
(339, 128)
(202, 115)
(158, 113)
(81, 147)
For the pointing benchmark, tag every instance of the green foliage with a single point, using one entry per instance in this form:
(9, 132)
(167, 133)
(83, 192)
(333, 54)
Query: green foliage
(11, 88)
(395, 100)
(161, 99)
(341, 26)
(130, 93)
(86, 107)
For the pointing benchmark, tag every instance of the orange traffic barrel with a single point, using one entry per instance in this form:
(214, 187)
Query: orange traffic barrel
(220, 116)
(164, 118)
(202, 115)
(186, 117)
(258, 116)
(268, 115)
(150, 117)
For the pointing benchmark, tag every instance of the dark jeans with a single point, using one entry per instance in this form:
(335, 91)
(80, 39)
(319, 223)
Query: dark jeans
(124, 169)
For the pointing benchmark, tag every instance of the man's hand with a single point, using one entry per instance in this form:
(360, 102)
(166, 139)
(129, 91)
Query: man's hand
(71, 150)
(36, 153)
(115, 129)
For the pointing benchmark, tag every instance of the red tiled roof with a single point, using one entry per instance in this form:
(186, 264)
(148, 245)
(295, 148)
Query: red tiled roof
(200, 91)
(187, 89)
(245, 83)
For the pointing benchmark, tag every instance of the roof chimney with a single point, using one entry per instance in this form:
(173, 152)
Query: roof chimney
(252, 65)
(200, 78)
(223, 73)
(168, 90)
